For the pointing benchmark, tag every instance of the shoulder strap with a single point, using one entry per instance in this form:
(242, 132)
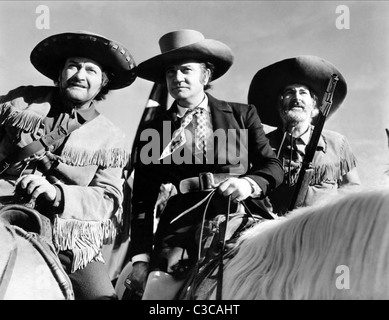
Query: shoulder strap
(22, 153)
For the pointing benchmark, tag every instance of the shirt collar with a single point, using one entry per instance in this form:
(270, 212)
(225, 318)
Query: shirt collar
(203, 105)
(304, 138)
(87, 114)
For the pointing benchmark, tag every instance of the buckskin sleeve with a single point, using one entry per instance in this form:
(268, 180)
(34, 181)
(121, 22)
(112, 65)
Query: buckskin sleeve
(99, 201)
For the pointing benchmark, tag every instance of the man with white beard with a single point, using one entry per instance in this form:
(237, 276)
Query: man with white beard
(287, 95)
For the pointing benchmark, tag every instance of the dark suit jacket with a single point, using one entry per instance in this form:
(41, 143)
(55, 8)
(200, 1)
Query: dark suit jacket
(228, 118)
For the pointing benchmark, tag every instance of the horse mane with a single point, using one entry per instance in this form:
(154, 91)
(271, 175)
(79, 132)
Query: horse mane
(296, 257)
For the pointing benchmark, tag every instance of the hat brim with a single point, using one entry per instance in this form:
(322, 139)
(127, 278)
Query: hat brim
(207, 50)
(50, 55)
(314, 72)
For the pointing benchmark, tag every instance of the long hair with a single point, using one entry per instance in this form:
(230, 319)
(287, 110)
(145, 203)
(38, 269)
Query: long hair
(297, 256)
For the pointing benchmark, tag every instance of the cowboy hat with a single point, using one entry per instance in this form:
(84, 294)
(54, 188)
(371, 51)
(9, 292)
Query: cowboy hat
(312, 71)
(49, 55)
(185, 44)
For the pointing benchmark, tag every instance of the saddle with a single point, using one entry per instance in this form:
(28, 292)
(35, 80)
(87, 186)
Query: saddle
(36, 228)
(27, 219)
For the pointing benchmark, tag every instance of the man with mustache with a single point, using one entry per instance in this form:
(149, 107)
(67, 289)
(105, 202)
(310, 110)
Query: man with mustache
(287, 95)
(59, 153)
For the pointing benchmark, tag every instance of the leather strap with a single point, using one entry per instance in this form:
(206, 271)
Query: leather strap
(222, 245)
(58, 133)
(27, 218)
(37, 145)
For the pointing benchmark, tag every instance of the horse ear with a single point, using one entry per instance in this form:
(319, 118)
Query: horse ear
(387, 134)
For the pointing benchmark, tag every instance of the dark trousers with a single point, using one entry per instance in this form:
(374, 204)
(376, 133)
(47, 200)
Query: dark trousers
(90, 283)
(185, 231)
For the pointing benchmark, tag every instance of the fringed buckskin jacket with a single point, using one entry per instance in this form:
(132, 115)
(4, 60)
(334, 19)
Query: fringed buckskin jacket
(89, 168)
(333, 159)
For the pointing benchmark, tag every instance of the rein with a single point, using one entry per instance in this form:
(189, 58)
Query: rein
(221, 244)
(209, 197)
(206, 265)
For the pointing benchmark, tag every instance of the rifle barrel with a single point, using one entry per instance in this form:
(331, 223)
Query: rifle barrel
(302, 182)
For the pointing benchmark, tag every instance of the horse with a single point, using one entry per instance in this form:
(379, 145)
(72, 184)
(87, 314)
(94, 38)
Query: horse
(336, 250)
(29, 266)
(305, 254)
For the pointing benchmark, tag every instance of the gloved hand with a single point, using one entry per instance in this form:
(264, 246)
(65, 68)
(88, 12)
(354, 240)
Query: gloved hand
(239, 189)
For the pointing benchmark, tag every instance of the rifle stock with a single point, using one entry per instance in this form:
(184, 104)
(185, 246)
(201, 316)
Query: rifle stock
(306, 170)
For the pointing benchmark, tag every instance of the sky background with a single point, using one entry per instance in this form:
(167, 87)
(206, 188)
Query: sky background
(259, 33)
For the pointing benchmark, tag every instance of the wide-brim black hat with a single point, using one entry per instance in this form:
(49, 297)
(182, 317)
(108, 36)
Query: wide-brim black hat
(50, 54)
(311, 71)
(183, 45)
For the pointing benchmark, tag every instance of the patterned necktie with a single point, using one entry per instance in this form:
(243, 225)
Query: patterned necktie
(200, 132)
(178, 138)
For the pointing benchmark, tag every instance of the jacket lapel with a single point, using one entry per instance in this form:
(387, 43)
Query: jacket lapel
(221, 113)
(226, 150)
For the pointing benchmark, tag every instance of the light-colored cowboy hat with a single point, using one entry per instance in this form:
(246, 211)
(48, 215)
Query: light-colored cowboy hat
(186, 44)
(312, 71)
(49, 55)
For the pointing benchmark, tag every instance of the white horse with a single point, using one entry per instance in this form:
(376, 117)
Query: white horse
(335, 251)
(338, 249)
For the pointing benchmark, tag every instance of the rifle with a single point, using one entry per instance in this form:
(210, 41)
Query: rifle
(306, 171)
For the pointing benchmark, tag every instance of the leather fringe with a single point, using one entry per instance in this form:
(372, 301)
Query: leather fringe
(11, 117)
(112, 158)
(84, 238)
(331, 172)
